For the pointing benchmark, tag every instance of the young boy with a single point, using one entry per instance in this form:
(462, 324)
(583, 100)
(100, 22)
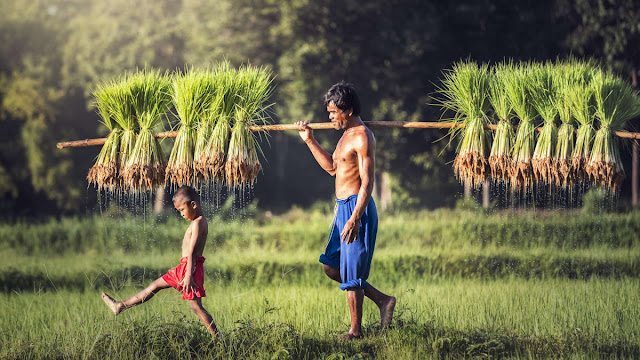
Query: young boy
(189, 283)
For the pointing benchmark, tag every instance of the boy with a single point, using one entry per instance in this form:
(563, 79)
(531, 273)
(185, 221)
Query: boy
(189, 283)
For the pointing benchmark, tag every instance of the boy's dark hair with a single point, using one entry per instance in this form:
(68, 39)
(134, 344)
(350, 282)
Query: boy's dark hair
(186, 194)
(344, 96)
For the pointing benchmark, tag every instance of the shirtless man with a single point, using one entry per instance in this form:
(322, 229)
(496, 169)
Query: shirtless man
(188, 277)
(347, 257)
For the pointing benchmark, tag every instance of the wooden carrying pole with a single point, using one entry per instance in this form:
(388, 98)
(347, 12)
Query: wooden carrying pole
(318, 126)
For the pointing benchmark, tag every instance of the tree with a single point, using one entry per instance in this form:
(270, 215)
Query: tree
(608, 30)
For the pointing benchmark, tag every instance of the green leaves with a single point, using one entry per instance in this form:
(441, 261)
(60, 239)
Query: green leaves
(569, 90)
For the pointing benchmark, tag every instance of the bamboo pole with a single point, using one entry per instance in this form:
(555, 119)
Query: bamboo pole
(322, 126)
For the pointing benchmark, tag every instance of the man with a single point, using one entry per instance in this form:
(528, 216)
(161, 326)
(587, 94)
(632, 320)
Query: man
(347, 257)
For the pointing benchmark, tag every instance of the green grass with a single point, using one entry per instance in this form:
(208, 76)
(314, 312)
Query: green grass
(463, 317)
(524, 285)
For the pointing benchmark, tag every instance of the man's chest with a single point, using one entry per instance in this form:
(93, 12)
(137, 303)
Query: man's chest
(345, 153)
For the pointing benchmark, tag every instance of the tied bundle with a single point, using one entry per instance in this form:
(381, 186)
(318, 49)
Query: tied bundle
(500, 157)
(465, 90)
(254, 89)
(615, 103)
(104, 173)
(569, 75)
(518, 90)
(192, 94)
(151, 98)
(544, 98)
(580, 101)
(214, 132)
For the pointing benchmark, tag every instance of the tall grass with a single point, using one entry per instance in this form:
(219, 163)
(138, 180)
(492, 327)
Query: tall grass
(433, 318)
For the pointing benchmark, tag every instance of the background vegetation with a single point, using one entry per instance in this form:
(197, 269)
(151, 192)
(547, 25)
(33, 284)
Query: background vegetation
(53, 53)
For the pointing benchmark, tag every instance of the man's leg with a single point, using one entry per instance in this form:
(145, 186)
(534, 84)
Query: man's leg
(355, 298)
(204, 316)
(145, 295)
(385, 303)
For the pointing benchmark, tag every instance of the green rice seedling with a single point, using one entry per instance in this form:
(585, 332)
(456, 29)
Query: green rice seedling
(518, 90)
(192, 94)
(210, 162)
(123, 113)
(580, 101)
(544, 98)
(500, 157)
(104, 173)
(616, 102)
(151, 94)
(566, 75)
(465, 89)
(242, 166)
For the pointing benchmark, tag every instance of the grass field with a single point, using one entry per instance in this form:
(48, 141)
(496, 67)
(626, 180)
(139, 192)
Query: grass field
(523, 285)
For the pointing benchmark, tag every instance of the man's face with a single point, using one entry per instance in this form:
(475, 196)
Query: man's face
(338, 117)
(187, 210)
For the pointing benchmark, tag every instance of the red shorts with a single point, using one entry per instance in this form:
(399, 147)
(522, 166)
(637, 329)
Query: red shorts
(174, 276)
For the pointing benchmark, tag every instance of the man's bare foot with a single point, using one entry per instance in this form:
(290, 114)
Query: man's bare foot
(115, 306)
(349, 336)
(386, 312)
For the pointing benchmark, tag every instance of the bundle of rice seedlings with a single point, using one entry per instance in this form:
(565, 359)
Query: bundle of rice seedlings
(517, 89)
(215, 131)
(104, 173)
(500, 157)
(242, 166)
(123, 113)
(151, 95)
(615, 103)
(465, 90)
(544, 98)
(192, 94)
(579, 98)
(566, 75)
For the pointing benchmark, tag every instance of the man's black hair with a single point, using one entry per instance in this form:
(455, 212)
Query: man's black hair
(186, 194)
(344, 96)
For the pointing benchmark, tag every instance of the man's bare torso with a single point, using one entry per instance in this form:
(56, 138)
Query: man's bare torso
(345, 160)
(202, 237)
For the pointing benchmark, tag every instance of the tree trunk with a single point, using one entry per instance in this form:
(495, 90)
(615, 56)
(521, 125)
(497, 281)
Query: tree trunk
(382, 190)
(467, 190)
(634, 174)
(486, 192)
(634, 164)
(158, 204)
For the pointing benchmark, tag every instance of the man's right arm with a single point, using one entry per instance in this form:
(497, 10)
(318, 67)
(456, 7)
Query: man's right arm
(322, 157)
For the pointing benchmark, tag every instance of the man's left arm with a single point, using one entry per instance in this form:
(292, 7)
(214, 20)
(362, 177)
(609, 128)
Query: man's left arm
(365, 150)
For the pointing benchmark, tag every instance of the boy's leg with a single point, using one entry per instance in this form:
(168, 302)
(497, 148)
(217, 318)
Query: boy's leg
(145, 295)
(204, 316)
(385, 303)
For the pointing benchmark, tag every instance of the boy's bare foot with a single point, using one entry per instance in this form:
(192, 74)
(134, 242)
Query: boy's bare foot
(115, 306)
(386, 312)
(349, 336)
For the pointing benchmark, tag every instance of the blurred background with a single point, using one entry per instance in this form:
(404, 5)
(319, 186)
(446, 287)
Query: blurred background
(53, 53)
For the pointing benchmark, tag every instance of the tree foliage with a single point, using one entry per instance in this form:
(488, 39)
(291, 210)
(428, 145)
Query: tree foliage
(54, 52)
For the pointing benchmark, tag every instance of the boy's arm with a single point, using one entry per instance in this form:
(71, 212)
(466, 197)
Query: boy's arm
(195, 232)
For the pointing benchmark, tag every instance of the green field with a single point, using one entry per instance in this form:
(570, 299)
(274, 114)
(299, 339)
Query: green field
(524, 285)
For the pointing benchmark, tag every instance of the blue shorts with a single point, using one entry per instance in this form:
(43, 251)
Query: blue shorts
(353, 260)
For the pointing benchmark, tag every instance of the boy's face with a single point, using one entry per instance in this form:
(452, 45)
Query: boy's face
(187, 210)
